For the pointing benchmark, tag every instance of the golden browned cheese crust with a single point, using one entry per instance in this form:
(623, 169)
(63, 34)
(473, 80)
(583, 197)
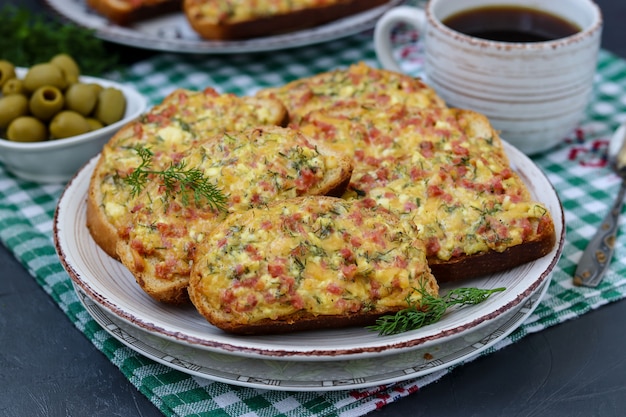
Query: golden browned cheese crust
(242, 19)
(308, 262)
(446, 171)
(179, 122)
(359, 82)
(251, 168)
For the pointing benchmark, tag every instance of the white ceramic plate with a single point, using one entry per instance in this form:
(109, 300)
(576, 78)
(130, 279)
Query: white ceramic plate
(173, 33)
(112, 286)
(306, 375)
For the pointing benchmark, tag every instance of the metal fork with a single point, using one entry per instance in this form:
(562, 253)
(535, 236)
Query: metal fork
(597, 256)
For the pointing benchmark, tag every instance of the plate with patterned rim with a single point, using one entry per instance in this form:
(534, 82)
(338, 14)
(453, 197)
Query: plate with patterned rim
(173, 33)
(311, 376)
(113, 287)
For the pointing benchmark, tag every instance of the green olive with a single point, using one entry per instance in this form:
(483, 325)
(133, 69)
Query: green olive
(13, 86)
(81, 98)
(111, 105)
(7, 71)
(94, 124)
(27, 129)
(70, 79)
(45, 102)
(40, 75)
(68, 123)
(68, 66)
(96, 87)
(12, 107)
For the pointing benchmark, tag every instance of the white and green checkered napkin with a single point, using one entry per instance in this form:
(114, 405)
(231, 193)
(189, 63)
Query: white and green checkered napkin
(576, 168)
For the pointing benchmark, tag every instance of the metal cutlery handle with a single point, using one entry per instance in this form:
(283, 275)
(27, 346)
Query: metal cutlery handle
(597, 256)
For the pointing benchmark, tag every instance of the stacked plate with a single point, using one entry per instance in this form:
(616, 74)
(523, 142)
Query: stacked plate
(181, 338)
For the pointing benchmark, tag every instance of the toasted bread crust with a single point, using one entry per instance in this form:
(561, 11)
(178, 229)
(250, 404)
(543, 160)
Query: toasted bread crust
(464, 267)
(223, 24)
(301, 321)
(172, 290)
(127, 12)
(263, 23)
(102, 230)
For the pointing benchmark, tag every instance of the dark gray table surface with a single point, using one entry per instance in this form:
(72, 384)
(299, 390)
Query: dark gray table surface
(577, 368)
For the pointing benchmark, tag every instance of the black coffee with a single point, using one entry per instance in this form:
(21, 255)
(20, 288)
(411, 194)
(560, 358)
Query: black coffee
(511, 24)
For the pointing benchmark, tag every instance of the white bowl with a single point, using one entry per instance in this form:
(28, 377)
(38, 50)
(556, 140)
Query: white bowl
(58, 160)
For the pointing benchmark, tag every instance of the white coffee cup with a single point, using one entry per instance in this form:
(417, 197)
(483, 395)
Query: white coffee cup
(534, 93)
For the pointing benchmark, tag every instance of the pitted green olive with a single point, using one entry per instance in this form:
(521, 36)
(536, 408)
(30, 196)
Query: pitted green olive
(81, 98)
(44, 74)
(111, 106)
(45, 102)
(27, 129)
(68, 123)
(7, 71)
(68, 66)
(94, 124)
(50, 102)
(12, 107)
(13, 86)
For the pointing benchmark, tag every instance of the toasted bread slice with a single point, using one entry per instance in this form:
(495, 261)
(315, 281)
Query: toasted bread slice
(445, 170)
(359, 82)
(180, 121)
(251, 168)
(244, 19)
(124, 12)
(307, 263)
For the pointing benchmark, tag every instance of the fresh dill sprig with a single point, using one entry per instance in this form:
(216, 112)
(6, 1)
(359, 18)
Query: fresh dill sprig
(139, 177)
(429, 309)
(176, 180)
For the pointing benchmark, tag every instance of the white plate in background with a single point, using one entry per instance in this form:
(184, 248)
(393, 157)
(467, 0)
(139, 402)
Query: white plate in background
(173, 33)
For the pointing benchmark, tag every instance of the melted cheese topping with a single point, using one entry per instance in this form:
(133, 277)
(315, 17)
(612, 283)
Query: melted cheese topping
(360, 83)
(323, 256)
(443, 169)
(233, 11)
(252, 168)
(182, 120)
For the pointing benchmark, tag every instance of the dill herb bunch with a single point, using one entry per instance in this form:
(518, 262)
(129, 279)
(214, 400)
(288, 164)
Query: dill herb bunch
(27, 38)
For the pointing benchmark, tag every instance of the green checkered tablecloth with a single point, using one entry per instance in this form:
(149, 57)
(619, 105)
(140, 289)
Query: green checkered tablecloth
(577, 168)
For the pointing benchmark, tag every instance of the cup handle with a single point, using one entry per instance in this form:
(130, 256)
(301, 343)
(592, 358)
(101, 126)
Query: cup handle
(383, 46)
